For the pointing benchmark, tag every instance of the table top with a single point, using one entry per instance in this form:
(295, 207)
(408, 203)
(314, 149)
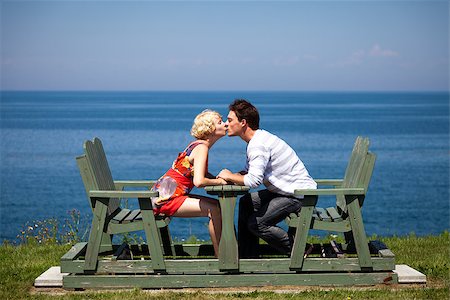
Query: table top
(227, 188)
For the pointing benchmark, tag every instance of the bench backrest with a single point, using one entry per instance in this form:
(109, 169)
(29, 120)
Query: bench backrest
(359, 170)
(95, 172)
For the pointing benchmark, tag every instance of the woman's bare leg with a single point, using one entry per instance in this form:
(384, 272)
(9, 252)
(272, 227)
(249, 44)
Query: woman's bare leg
(198, 206)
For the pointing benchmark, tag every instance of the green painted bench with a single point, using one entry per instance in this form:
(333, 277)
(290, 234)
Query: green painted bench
(105, 195)
(345, 217)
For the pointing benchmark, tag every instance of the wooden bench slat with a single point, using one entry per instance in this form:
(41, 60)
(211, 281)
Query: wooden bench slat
(334, 215)
(123, 213)
(134, 214)
(322, 214)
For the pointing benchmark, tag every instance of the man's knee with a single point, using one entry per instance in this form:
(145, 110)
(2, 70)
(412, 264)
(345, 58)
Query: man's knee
(256, 227)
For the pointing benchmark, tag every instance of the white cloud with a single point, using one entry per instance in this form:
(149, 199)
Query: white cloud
(378, 51)
(358, 57)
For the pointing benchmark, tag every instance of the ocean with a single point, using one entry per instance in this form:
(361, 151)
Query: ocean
(142, 132)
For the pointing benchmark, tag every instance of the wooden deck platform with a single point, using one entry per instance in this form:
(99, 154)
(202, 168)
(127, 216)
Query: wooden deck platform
(54, 278)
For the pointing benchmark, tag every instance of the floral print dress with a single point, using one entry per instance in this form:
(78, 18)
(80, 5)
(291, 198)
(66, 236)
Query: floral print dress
(182, 171)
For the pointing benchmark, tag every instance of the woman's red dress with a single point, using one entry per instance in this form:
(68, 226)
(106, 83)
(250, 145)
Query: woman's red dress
(182, 172)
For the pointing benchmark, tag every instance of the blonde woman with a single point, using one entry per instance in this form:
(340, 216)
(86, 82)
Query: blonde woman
(190, 169)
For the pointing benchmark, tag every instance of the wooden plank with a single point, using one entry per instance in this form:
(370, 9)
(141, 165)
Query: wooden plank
(162, 221)
(331, 191)
(120, 184)
(116, 228)
(386, 253)
(75, 251)
(353, 169)
(86, 176)
(291, 220)
(228, 247)
(303, 226)
(105, 171)
(152, 234)
(97, 159)
(210, 266)
(330, 182)
(341, 226)
(123, 194)
(322, 214)
(106, 243)
(238, 189)
(368, 170)
(333, 213)
(200, 281)
(359, 233)
(123, 213)
(95, 235)
(134, 215)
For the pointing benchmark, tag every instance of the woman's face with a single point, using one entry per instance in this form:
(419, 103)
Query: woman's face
(221, 127)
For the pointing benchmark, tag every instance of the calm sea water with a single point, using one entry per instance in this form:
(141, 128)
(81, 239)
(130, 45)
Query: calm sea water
(142, 132)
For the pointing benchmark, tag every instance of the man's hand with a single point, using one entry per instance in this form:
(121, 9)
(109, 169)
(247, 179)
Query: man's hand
(225, 174)
(230, 177)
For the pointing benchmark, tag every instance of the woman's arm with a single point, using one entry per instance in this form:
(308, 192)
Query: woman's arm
(199, 160)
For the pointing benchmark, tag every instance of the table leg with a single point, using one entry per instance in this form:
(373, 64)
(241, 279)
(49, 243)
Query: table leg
(228, 247)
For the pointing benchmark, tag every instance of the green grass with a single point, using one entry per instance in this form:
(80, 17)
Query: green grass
(20, 265)
(429, 255)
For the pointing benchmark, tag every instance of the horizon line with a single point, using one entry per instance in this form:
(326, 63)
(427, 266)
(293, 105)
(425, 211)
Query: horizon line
(220, 91)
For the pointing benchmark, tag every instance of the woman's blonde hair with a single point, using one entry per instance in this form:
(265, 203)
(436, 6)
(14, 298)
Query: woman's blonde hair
(204, 124)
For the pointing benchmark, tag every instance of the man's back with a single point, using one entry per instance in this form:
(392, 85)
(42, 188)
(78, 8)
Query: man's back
(270, 160)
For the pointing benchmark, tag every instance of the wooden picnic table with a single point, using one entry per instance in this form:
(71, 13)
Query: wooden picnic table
(159, 263)
(228, 246)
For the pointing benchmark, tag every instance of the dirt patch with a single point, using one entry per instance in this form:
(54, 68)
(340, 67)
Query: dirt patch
(232, 290)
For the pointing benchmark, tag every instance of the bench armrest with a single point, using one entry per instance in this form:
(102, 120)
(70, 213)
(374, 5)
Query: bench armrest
(123, 194)
(332, 182)
(120, 184)
(337, 191)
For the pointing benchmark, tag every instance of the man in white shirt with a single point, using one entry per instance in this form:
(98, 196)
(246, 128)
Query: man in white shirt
(272, 162)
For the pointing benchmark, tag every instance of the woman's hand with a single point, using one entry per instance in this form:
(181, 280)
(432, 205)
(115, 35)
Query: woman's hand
(225, 174)
(222, 181)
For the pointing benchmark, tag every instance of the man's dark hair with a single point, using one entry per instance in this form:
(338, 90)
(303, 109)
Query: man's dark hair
(245, 110)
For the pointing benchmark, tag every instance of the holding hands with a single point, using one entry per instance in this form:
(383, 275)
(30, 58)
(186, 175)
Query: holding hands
(232, 178)
(225, 174)
(221, 181)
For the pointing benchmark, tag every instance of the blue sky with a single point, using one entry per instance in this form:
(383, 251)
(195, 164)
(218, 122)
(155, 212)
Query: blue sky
(215, 45)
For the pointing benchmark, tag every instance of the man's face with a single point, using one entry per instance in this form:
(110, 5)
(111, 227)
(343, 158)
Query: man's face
(233, 124)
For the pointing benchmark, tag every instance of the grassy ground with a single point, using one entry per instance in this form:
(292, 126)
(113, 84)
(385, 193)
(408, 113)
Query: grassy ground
(20, 265)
